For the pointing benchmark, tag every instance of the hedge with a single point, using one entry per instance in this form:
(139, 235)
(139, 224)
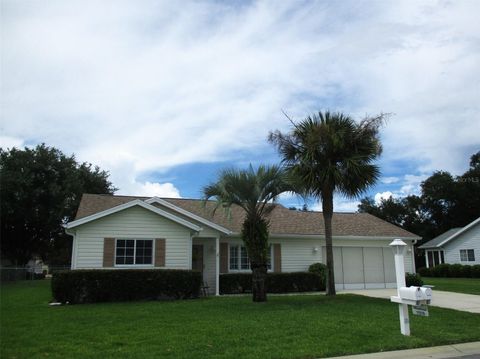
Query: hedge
(451, 271)
(234, 283)
(91, 286)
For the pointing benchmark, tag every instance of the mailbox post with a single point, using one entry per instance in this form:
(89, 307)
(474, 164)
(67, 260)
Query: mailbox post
(399, 247)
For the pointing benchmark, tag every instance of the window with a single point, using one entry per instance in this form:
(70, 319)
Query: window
(467, 255)
(133, 251)
(244, 260)
(435, 258)
(238, 258)
(233, 258)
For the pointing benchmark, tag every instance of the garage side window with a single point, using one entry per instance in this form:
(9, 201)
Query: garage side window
(133, 251)
(467, 255)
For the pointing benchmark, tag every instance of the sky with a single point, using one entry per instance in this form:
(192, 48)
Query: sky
(165, 94)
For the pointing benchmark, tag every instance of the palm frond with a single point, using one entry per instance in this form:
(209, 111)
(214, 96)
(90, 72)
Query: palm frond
(253, 190)
(329, 150)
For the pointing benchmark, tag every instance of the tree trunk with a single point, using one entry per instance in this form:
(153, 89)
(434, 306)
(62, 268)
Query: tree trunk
(259, 290)
(327, 206)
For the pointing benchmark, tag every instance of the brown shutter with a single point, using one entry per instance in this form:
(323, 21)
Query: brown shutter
(160, 252)
(108, 252)
(223, 257)
(277, 258)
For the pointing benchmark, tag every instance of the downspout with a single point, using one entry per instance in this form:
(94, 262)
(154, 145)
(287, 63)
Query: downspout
(74, 245)
(413, 255)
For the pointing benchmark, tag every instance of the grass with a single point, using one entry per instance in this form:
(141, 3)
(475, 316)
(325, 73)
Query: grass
(229, 327)
(459, 285)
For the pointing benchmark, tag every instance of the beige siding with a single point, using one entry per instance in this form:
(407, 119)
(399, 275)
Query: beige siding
(298, 254)
(206, 230)
(469, 239)
(134, 222)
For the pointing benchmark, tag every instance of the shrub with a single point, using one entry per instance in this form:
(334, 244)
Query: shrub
(39, 275)
(234, 283)
(475, 272)
(319, 268)
(425, 272)
(294, 282)
(451, 271)
(413, 279)
(91, 286)
(441, 270)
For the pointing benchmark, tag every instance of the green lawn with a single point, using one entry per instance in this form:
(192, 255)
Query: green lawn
(230, 327)
(459, 285)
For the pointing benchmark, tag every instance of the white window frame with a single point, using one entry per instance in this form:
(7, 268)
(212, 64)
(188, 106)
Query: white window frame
(465, 257)
(239, 258)
(134, 253)
(436, 254)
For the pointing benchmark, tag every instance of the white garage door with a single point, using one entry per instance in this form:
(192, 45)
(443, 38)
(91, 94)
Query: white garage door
(363, 267)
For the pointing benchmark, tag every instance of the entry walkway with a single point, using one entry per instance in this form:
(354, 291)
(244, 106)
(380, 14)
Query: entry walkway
(459, 301)
(460, 351)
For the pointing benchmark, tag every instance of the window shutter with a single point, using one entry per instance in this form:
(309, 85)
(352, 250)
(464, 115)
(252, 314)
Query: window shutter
(108, 252)
(160, 252)
(223, 257)
(277, 258)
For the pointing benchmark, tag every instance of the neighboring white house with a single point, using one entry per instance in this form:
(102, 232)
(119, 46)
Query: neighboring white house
(457, 245)
(139, 232)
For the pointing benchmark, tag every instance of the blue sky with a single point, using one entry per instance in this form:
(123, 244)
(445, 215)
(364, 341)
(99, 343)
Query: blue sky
(164, 94)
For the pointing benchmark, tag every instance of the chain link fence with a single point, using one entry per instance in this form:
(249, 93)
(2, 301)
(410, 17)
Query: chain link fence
(10, 274)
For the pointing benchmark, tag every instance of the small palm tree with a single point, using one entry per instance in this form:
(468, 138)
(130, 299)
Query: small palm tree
(255, 192)
(331, 153)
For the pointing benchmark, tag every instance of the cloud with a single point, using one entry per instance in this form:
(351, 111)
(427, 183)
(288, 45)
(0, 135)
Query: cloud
(7, 142)
(412, 184)
(340, 204)
(137, 88)
(382, 195)
(389, 180)
(156, 189)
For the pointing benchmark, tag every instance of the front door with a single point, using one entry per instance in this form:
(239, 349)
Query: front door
(197, 257)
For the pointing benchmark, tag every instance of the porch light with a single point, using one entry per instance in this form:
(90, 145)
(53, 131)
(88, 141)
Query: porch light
(398, 247)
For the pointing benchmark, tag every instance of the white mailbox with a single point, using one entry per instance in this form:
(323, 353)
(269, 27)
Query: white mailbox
(415, 293)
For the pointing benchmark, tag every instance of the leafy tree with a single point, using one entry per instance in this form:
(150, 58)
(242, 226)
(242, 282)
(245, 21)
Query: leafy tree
(255, 192)
(404, 212)
(445, 202)
(40, 190)
(468, 190)
(330, 153)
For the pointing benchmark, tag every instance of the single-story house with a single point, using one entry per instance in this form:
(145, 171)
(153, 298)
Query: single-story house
(457, 245)
(140, 232)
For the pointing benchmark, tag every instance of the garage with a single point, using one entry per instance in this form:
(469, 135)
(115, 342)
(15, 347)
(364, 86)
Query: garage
(363, 267)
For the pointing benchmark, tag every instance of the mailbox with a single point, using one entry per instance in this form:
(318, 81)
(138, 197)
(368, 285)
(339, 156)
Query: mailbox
(415, 293)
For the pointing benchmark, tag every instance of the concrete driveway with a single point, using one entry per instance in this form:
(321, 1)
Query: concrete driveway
(459, 301)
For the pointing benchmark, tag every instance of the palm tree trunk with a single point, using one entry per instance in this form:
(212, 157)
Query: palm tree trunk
(327, 207)
(259, 290)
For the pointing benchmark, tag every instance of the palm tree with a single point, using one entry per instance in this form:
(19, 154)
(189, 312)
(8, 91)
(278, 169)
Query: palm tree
(331, 153)
(255, 192)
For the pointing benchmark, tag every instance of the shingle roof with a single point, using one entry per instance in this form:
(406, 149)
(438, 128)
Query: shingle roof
(282, 220)
(439, 239)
